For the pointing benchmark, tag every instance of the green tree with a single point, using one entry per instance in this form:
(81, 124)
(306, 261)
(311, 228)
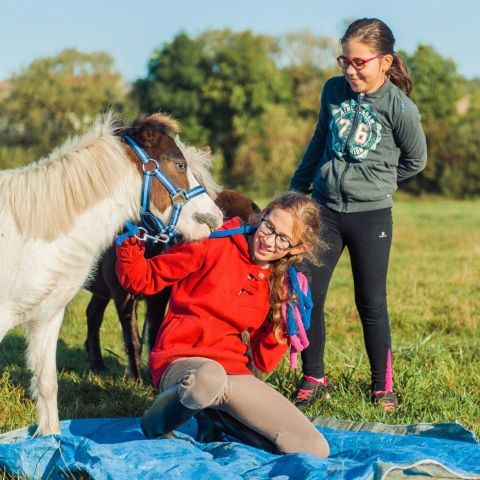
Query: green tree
(176, 73)
(461, 161)
(58, 96)
(309, 60)
(242, 81)
(266, 159)
(217, 84)
(436, 91)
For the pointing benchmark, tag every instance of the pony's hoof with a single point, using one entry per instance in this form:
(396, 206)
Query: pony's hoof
(42, 431)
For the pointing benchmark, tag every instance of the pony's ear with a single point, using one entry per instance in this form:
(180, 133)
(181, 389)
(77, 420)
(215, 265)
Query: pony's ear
(149, 128)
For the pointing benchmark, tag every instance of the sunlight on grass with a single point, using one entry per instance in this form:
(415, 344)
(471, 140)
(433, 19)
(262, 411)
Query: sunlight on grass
(434, 302)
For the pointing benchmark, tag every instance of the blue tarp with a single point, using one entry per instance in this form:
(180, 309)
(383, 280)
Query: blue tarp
(114, 448)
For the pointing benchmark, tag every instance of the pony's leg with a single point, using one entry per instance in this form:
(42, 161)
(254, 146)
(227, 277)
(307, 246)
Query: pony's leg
(3, 330)
(95, 311)
(42, 339)
(156, 306)
(6, 321)
(126, 304)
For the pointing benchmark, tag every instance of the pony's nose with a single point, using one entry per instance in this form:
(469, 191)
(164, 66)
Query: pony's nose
(211, 220)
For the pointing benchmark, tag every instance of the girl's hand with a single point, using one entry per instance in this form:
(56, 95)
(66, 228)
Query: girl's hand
(130, 248)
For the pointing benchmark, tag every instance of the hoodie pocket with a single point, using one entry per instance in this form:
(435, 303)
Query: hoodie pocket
(366, 183)
(327, 180)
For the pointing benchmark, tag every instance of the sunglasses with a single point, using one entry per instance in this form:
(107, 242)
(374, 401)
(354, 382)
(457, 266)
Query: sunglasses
(356, 63)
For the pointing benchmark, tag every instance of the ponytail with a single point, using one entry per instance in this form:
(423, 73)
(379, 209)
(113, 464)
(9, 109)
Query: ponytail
(398, 74)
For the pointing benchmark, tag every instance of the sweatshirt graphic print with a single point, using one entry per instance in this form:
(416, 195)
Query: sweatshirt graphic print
(355, 129)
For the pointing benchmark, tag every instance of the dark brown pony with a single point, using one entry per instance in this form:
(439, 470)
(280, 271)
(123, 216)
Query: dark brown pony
(105, 286)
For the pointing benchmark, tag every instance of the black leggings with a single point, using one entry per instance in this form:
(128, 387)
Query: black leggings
(368, 237)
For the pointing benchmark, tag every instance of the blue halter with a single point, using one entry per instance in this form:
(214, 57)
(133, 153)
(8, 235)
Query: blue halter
(153, 226)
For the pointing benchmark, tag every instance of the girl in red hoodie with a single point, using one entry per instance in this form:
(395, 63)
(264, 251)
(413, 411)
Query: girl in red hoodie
(222, 288)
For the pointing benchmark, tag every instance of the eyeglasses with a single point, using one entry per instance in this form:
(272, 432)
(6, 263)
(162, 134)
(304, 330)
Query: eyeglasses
(356, 63)
(282, 242)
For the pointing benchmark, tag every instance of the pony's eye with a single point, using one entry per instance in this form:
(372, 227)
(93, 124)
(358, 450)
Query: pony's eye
(180, 166)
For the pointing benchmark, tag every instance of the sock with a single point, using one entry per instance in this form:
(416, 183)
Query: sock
(317, 381)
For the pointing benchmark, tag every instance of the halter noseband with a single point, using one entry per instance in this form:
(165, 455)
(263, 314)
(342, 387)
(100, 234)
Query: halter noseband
(153, 225)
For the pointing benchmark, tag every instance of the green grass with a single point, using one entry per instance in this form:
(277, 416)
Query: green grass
(434, 302)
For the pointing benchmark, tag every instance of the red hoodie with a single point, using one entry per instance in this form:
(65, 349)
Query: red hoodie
(218, 293)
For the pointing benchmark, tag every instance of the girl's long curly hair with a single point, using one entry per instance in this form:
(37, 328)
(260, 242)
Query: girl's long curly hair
(306, 230)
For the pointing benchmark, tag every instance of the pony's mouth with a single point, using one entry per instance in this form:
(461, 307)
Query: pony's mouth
(206, 218)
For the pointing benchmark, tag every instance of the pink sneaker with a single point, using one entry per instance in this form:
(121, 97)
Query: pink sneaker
(310, 390)
(387, 400)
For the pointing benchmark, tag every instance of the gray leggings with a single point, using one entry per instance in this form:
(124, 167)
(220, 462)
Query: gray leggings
(203, 383)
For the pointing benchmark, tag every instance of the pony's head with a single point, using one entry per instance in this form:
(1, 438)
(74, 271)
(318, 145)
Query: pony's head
(154, 134)
(49, 196)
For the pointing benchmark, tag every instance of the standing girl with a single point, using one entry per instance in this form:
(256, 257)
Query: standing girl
(368, 138)
(222, 288)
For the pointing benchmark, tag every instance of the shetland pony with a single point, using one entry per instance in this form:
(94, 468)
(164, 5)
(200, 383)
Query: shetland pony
(60, 213)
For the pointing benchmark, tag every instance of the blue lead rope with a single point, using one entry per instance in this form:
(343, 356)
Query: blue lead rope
(132, 230)
(243, 230)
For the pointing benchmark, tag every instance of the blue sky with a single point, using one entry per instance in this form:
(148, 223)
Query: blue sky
(130, 31)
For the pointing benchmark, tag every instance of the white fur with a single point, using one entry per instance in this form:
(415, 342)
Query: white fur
(58, 215)
(200, 162)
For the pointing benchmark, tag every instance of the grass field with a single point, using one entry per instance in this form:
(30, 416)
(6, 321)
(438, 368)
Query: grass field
(434, 302)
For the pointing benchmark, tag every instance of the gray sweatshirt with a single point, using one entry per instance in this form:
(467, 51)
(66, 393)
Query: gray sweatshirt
(362, 146)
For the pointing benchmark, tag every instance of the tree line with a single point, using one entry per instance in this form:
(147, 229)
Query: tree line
(252, 98)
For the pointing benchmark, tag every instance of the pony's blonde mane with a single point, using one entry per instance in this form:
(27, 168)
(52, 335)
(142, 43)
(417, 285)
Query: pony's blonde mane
(46, 196)
(200, 162)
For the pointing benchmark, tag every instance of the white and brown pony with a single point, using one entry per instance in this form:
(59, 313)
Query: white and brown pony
(60, 213)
